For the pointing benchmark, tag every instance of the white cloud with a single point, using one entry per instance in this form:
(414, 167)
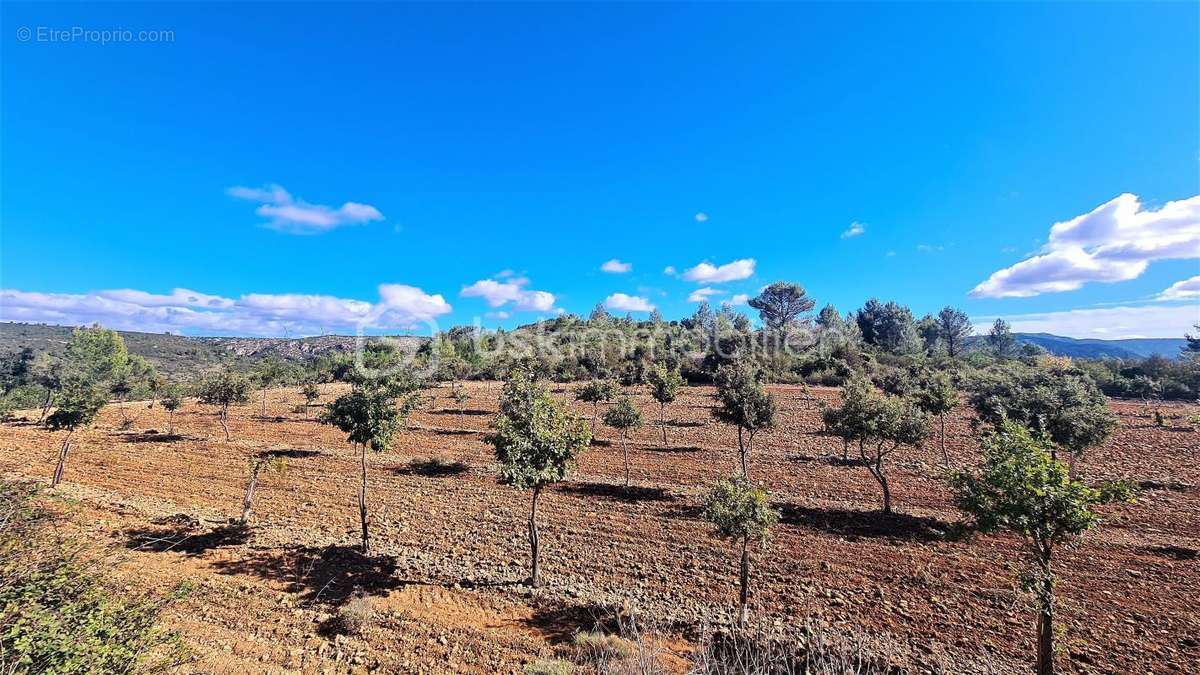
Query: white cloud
(1109, 323)
(701, 217)
(615, 266)
(620, 302)
(856, 229)
(185, 311)
(930, 248)
(1182, 290)
(740, 299)
(669, 270)
(703, 294)
(1115, 242)
(293, 216)
(512, 291)
(707, 273)
(891, 254)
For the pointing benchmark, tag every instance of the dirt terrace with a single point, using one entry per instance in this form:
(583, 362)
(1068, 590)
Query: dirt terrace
(451, 553)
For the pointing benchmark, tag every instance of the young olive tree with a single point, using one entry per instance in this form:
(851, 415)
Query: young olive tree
(536, 441)
(664, 387)
(1023, 489)
(222, 391)
(743, 402)
(270, 372)
(740, 513)
(172, 400)
(596, 392)
(369, 417)
(311, 392)
(935, 394)
(879, 425)
(78, 405)
(624, 416)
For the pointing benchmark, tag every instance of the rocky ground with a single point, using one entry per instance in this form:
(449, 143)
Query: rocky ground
(446, 574)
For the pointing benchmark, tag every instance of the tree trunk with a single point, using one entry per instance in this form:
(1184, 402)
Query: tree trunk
(875, 466)
(46, 404)
(595, 411)
(248, 500)
(534, 577)
(742, 451)
(1045, 658)
(625, 449)
(662, 421)
(942, 435)
(223, 418)
(264, 404)
(62, 459)
(744, 597)
(362, 503)
(170, 422)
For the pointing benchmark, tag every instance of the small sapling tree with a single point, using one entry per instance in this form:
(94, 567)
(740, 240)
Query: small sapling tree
(77, 406)
(265, 460)
(369, 417)
(1023, 489)
(270, 372)
(311, 392)
(459, 395)
(664, 387)
(536, 440)
(740, 513)
(936, 395)
(624, 416)
(743, 402)
(895, 422)
(172, 400)
(222, 391)
(596, 392)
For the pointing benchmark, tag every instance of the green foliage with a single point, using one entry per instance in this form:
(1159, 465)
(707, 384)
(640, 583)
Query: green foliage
(664, 384)
(934, 393)
(742, 401)
(739, 511)
(367, 415)
(1000, 340)
(535, 438)
(597, 391)
(58, 614)
(781, 304)
(624, 415)
(1056, 399)
(96, 355)
(1021, 488)
(954, 327)
(890, 327)
(223, 390)
(78, 405)
(311, 392)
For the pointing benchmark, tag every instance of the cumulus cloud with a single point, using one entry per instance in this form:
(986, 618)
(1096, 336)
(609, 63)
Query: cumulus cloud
(707, 273)
(703, 294)
(620, 302)
(285, 213)
(1108, 323)
(1182, 290)
(510, 292)
(1115, 242)
(184, 311)
(615, 266)
(856, 229)
(740, 299)
(701, 217)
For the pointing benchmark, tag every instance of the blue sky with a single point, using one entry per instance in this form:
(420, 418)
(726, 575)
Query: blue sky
(428, 148)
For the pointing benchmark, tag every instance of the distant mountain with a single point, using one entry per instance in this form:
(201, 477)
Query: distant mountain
(1089, 348)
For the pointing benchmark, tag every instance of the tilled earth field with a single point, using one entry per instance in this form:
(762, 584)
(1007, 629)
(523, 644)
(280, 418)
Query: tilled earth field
(450, 552)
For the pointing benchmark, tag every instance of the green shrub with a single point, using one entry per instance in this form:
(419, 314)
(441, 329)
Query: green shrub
(59, 614)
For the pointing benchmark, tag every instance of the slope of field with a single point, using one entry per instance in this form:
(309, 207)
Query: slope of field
(451, 550)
